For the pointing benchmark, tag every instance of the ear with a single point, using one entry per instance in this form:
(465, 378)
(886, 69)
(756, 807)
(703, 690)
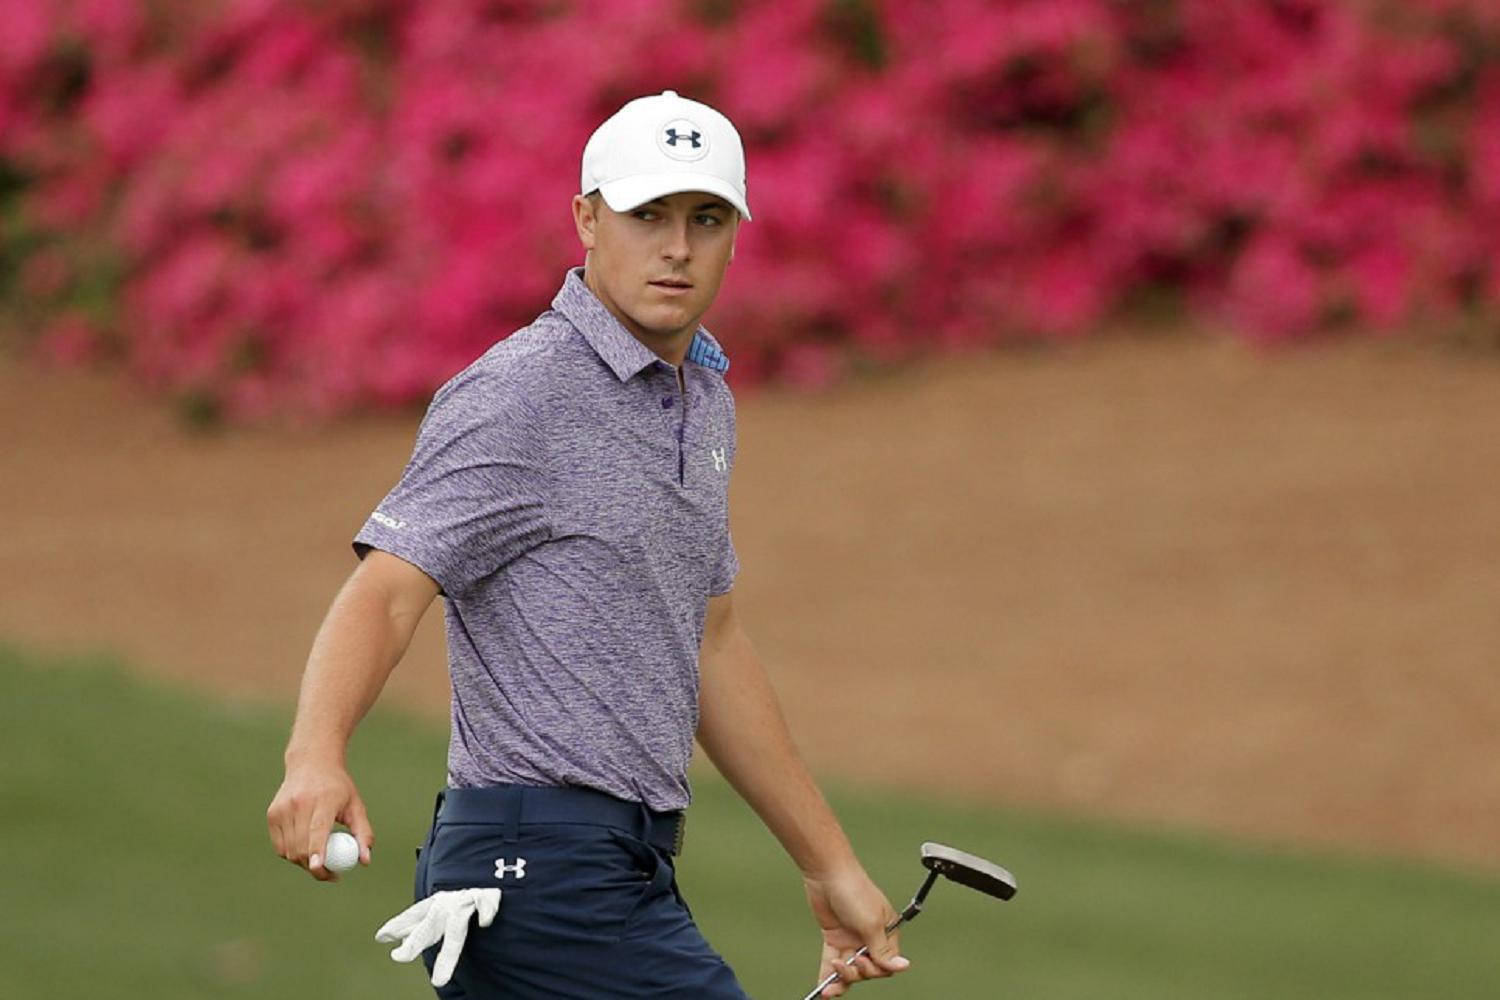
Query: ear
(584, 220)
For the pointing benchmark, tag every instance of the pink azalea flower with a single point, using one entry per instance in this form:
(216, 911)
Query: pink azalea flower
(286, 200)
(1383, 276)
(69, 341)
(1274, 293)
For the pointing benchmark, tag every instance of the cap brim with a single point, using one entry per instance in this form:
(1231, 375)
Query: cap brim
(631, 192)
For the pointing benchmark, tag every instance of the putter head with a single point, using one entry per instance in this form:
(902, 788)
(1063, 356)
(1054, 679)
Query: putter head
(969, 870)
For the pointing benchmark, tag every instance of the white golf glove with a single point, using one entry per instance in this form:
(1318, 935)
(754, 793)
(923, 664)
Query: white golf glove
(443, 916)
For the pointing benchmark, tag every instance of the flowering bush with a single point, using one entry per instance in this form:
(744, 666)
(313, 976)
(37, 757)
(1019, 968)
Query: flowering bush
(323, 204)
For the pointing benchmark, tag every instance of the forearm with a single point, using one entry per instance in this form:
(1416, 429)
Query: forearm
(744, 732)
(358, 645)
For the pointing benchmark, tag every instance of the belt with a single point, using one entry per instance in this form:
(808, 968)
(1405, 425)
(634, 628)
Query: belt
(517, 805)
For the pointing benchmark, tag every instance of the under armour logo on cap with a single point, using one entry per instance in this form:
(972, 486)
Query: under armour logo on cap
(682, 139)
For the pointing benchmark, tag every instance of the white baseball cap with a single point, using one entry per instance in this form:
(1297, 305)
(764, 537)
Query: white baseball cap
(664, 144)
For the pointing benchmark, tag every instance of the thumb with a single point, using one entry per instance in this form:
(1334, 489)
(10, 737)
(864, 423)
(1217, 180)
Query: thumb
(885, 950)
(358, 822)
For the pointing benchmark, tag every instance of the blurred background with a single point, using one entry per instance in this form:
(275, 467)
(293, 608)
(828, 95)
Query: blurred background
(1117, 381)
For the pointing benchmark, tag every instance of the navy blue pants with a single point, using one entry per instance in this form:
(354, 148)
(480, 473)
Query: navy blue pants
(589, 907)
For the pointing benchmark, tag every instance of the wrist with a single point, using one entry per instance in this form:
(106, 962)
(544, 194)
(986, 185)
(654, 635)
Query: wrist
(835, 868)
(313, 754)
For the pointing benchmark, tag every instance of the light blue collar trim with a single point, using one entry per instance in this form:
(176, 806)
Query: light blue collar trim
(705, 351)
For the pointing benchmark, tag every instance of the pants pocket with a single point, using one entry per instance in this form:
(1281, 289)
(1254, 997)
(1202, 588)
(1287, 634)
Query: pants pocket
(568, 882)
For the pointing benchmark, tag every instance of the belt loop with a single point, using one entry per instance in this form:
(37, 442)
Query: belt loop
(437, 806)
(510, 804)
(645, 817)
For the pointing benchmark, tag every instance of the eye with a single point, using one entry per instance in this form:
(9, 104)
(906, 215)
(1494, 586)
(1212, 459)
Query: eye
(709, 220)
(644, 214)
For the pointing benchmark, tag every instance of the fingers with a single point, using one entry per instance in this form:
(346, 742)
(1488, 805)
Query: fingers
(275, 829)
(281, 817)
(857, 967)
(885, 957)
(854, 915)
(868, 916)
(295, 823)
(318, 829)
(881, 960)
(358, 822)
(301, 816)
(850, 968)
(285, 821)
(833, 964)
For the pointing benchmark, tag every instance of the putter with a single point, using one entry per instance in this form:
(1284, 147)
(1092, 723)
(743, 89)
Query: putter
(940, 859)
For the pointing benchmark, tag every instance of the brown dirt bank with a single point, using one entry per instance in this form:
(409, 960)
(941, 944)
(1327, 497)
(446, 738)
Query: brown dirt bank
(1161, 580)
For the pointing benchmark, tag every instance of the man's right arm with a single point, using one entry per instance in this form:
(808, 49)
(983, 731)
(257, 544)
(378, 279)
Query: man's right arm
(363, 637)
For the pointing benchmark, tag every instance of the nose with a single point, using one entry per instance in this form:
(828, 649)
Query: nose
(677, 247)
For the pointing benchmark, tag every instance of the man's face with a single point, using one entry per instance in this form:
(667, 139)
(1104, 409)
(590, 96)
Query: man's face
(657, 267)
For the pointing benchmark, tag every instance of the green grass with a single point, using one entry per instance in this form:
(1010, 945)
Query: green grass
(136, 865)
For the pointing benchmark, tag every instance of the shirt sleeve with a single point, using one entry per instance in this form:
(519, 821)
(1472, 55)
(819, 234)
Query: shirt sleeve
(472, 497)
(725, 569)
(726, 560)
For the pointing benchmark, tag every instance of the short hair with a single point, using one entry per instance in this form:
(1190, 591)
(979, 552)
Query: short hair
(594, 196)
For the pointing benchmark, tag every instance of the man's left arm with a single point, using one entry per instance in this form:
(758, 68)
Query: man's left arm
(742, 729)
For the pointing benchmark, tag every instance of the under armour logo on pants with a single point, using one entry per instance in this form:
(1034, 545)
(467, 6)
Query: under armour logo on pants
(518, 869)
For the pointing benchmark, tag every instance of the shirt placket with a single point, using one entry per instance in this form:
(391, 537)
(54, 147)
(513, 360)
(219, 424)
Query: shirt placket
(687, 411)
(674, 405)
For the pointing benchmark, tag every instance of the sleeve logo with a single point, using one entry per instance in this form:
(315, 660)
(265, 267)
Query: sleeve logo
(388, 521)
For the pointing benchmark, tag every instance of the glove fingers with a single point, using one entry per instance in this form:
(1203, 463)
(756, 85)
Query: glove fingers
(455, 933)
(486, 905)
(423, 936)
(396, 928)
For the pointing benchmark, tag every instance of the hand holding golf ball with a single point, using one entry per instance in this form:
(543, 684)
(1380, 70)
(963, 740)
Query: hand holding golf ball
(342, 852)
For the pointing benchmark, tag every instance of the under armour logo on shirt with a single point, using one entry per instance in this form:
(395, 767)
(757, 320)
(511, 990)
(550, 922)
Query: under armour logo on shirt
(518, 869)
(721, 459)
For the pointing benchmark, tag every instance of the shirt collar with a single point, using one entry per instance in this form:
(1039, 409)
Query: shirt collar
(614, 344)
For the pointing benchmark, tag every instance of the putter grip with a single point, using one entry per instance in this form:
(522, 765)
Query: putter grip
(864, 950)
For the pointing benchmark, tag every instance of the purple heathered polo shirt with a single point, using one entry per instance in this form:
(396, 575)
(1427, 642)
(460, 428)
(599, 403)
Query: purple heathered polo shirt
(572, 504)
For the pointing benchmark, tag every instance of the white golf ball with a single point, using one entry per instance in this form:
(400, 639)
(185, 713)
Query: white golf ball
(342, 852)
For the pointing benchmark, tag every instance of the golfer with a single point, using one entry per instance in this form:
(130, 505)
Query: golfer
(567, 496)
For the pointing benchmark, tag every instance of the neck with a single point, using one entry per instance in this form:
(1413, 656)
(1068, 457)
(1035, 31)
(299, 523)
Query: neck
(671, 347)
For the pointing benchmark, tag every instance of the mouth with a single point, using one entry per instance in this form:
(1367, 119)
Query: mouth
(672, 286)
